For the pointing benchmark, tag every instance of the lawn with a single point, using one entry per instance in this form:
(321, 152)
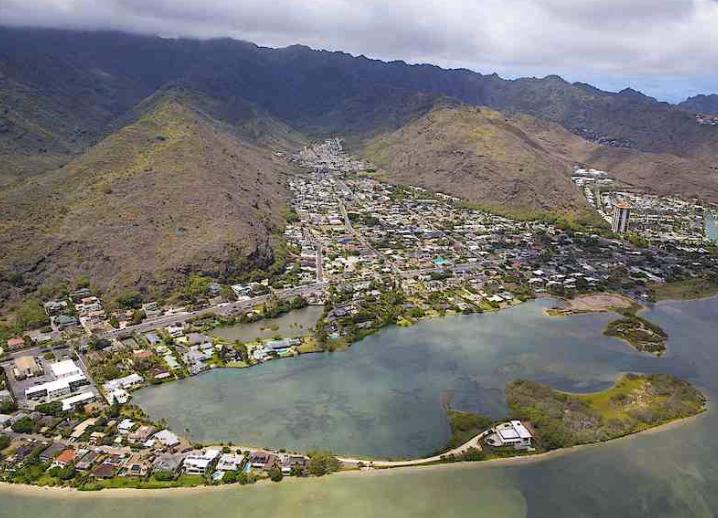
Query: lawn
(308, 345)
(604, 402)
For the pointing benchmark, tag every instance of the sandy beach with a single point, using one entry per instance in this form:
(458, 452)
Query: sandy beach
(67, 492)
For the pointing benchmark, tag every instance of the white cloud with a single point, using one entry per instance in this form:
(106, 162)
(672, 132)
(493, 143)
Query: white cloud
(650, 43)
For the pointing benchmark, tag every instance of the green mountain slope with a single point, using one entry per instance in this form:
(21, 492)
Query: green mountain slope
(173, 192)
(480, 155)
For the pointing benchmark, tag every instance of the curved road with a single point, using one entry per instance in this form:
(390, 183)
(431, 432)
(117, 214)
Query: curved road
(459, 450)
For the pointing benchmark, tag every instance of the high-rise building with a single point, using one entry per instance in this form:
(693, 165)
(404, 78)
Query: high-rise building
(597, 196)
(621, 213)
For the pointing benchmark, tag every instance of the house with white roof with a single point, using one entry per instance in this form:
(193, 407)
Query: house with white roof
(65, 369)
(199, 462)
(513, 433)
(230, 462)
(167, 438)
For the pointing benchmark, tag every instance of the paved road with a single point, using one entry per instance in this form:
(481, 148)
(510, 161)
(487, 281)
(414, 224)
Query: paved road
(460, 450)
(37, 350)
(320, 259)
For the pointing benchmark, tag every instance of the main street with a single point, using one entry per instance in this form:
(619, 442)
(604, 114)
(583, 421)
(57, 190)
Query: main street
(359, 236)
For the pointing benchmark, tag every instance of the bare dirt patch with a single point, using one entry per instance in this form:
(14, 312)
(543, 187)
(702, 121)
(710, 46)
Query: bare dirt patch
(595, 302)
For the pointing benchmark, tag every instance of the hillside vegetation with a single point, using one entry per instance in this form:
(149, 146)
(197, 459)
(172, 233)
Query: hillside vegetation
(480, 155)
(635, 403)
(172, 193)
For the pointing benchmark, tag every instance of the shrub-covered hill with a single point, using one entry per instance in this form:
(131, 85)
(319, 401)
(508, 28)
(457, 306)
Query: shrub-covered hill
(172, 193)
(634, 403)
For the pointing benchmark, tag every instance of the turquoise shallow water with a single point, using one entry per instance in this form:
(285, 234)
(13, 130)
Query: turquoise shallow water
(672, 472)
(384, 396)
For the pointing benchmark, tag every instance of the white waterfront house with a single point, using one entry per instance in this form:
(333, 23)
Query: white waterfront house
(198, 462)
(511, 433)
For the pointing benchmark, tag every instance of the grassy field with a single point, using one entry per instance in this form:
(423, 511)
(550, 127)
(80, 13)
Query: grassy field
(309, 345)
(635, 403)
(685, 290)
(604, 402)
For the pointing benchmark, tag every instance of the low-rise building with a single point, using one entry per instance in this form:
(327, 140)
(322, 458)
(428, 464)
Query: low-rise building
(26, 367)
(65, 458)
(167, 438)
(87, 460)
(513, 434)
(56, 389)
(168, 462)
(65, 369)
(200, 462)
(136, 466)
(77, 400)
(127, 382)
(230, 462)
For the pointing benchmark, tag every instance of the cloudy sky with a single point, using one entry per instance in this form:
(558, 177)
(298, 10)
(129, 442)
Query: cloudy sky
(666, 48)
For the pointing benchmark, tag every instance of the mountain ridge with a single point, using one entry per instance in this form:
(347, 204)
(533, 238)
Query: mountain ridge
(300, 86)
(702, 103)
(84, 115)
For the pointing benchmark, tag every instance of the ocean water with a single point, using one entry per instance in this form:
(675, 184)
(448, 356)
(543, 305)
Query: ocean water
(670, 472)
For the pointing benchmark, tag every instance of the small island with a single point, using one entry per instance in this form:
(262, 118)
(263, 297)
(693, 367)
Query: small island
(634, 404)
(640, 333)
(643, 335)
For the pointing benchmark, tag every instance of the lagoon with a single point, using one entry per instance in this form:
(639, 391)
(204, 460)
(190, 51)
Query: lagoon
(670, 472)
(296, 323)
(386, 395)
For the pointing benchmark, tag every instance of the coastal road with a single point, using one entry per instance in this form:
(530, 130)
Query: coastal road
(459, 450)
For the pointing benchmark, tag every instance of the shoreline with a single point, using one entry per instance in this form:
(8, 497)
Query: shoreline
(35, 490)
(61, 492)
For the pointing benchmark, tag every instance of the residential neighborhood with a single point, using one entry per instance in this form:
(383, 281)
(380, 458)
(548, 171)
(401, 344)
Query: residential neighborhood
(369, 254)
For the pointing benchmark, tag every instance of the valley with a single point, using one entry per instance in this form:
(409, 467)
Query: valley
(368, 256)
(224, 264)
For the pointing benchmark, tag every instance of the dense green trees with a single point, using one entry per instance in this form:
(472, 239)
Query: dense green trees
(8, 407)
(52, 408)
(275, 474)
(230, 477)
(130, 300)
(465, 425)
(30, 315)
(24, 425)
(323, 463)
